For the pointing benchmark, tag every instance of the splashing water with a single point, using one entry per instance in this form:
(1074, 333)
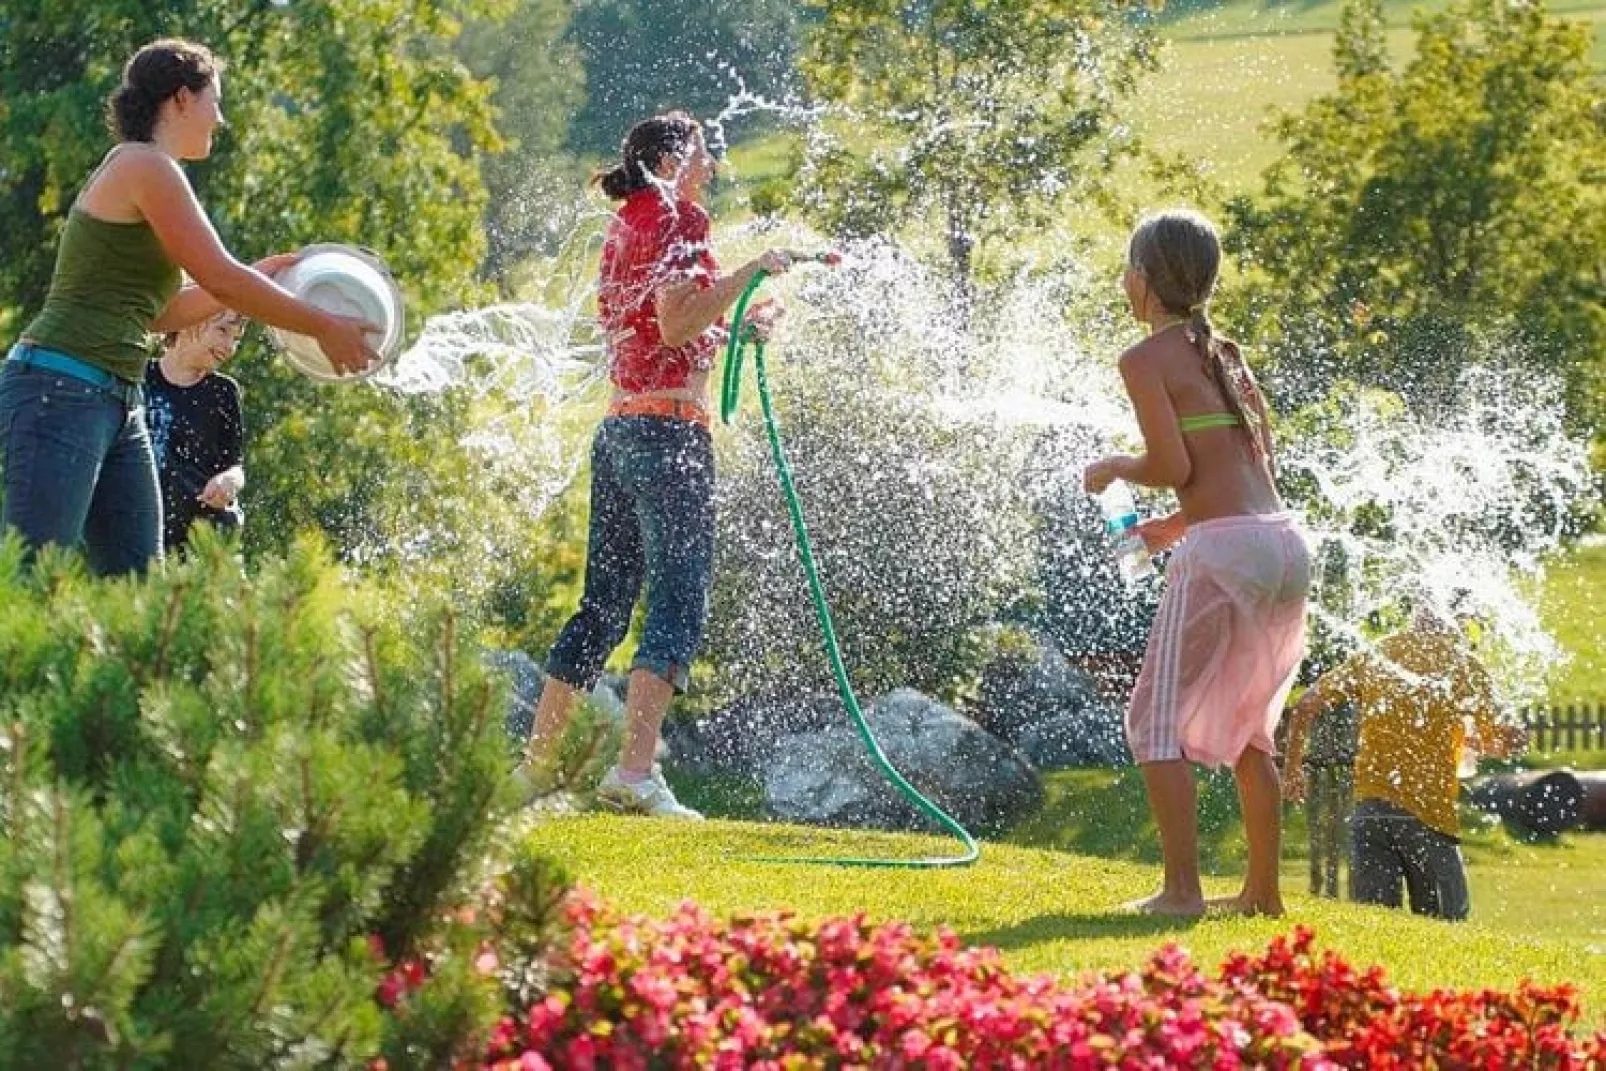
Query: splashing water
(939, 456)
(1461, 508)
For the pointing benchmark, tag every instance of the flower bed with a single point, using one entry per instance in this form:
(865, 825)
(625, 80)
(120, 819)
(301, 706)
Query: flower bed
(776, 992)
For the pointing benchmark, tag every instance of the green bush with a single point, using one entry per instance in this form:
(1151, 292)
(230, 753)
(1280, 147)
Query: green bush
(219, 793)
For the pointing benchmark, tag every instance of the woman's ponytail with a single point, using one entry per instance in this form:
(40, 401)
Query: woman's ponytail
(616, 182)
(1179, 256)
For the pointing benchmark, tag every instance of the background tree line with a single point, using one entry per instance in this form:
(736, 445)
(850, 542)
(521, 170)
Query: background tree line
(1424, 213)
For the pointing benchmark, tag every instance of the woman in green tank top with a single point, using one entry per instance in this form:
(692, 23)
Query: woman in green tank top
(74, 450)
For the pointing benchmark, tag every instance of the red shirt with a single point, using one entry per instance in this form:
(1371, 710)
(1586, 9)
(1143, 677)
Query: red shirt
(652, 241)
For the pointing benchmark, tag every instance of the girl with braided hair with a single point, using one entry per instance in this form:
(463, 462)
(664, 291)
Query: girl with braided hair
(1230, 631)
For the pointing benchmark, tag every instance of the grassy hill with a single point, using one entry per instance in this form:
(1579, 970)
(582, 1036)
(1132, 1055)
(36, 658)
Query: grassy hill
(1230, 65)
(1228, 68)
(1570, 606)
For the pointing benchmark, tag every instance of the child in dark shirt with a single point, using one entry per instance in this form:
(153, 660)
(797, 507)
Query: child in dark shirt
(197, 428)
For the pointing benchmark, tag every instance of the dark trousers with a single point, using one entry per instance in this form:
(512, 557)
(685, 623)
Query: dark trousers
(1393, 847)
(652, 524)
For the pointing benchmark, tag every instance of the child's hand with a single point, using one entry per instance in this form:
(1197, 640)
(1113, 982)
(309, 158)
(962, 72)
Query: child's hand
(762, 317)
(1099, 475)
(1163, 533)
(271, 266)
(221, 490)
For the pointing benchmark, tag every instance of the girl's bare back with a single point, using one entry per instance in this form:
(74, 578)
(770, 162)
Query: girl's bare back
(1228, 477)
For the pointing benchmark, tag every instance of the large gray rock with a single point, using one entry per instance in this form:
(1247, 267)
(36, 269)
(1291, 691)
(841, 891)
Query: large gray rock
(744, 736)
(1094, 737)
(1031, 684)
(827, 778)
(1033, 697)
(528, 678)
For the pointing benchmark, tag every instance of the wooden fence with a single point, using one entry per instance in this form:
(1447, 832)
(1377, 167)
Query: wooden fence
(1566, 727)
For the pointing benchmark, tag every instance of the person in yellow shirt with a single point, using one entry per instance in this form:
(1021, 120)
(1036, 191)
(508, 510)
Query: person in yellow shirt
(1422, 698)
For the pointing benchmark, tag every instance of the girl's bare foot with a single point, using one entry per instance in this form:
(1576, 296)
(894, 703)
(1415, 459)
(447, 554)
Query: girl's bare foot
(1170, 905)
(1245, 904)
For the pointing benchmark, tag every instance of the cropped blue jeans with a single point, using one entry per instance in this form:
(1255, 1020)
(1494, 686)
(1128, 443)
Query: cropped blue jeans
(652, 524)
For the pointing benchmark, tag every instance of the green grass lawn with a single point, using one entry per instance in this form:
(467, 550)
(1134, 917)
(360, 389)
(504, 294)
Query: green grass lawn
(1045, 893)
(1231, 65)
(1053, 911)
(1570, 606)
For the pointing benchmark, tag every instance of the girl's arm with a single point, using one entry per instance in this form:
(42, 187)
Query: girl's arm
(686, 310)
(1164, 461)
(189, 307)
(163, 196)
(193, 304)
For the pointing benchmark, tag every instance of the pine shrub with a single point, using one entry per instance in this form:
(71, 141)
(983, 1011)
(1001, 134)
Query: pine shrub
(220, 794)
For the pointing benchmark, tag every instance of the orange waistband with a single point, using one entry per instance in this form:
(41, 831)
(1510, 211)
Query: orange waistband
(671, 408)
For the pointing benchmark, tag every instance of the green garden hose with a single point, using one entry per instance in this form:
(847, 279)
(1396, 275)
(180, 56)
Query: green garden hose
(742, 336)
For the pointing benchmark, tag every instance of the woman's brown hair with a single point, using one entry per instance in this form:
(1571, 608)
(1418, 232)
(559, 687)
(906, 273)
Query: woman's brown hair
(154, 75)
(644, 148)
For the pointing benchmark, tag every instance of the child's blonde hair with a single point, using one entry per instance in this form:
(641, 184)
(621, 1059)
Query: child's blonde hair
(170, 339)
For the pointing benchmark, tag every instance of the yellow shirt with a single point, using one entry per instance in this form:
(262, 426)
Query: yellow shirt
(1413, 723)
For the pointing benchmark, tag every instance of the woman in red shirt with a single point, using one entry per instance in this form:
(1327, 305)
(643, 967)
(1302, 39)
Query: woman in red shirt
(660, 301)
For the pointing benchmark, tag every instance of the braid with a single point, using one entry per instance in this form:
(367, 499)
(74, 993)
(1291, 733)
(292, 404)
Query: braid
(1178, 255)
(1215, 352)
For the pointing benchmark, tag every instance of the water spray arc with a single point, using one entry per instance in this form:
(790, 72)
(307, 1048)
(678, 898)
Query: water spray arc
(743, 338)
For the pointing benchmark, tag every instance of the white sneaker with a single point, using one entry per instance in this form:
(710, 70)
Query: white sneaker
(651, 796)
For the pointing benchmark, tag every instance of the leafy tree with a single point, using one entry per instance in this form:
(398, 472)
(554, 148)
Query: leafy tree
(983, 117)
(1425, 216)
(644, 56)
(539, 84)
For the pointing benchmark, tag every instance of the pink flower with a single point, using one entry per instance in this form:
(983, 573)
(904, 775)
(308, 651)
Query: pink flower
(486, 961)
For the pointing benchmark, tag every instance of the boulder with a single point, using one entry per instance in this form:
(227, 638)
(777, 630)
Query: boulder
(827, 777)
(1096, 736)
(1032, 696)
(743, 736)
(1024, 686)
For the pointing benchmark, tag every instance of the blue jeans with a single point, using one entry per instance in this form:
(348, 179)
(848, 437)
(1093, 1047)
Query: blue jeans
(78, 468)
(652, 521)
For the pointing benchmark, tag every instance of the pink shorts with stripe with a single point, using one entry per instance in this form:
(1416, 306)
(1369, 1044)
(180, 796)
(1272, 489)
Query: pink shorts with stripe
(1226, 642)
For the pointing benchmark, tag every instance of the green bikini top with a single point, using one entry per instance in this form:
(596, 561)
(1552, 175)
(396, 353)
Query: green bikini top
(1205, 421)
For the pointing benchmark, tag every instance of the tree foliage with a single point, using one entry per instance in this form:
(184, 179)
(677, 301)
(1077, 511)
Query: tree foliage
(645, 56)
(539, 83)
(983, 117)
(1452, 207)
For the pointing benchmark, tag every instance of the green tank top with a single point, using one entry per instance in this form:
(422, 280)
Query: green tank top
(111, 282)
